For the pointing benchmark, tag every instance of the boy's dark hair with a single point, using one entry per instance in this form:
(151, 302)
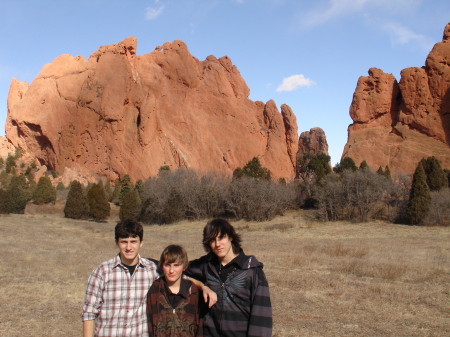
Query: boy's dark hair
(173, 254)
(128, 228)
(219, 228)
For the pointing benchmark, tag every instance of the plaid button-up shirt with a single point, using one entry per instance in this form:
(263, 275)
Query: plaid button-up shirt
(117, 300)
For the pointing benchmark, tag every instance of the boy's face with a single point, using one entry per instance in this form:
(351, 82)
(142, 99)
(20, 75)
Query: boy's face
(129, 250)
(221, 247)
(172, 271)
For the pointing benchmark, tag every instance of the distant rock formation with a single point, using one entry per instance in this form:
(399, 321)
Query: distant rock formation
(313, 141)
(398, 124)
(119, 113)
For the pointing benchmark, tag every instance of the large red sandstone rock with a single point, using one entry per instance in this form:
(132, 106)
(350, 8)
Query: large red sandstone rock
(119, 113)
(398, 124)
(313, 141)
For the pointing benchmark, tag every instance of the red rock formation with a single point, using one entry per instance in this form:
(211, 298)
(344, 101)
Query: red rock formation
(313, 141)
(398, 124)
(119, 113)
(6, 148)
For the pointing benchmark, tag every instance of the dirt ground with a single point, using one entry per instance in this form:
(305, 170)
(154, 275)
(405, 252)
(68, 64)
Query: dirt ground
(326, 279)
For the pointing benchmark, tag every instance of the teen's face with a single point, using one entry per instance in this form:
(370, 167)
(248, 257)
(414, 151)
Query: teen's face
(129, 250)
(222, 248)
(173, 272)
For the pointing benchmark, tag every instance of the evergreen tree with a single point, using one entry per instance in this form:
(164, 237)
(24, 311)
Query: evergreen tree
(4, 202)
(131, 206)
(447, 173)
(4, 179)
(60, 186)
(19, 194)
(99, 207)
(419, 197)
(174, 208)
(108, 190)
(140, 186)
(346, 163)
(2, 162)
(363, 165)
(114, 197)
(126, 186)
(18, 153)
(435, 175)
(10, 163)
(317, 165)
(77, 205)
(387, 172)
(164, 168)
(44, 192)
(254, 169)
(238, 173)
(380, 171)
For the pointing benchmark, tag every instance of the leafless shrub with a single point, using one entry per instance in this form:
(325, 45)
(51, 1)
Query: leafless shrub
(258, 200)
(439, 209)
(331, 197)
(205, 195)
(357, 196)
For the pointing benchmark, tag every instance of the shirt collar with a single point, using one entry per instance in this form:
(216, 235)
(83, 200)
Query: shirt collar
(239, 260)
(185, 287)
(141, 261)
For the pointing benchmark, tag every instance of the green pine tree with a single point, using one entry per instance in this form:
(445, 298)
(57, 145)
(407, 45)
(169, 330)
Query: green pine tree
(19, 194)
(99, 207)
(363, 165)
(131, 206)
(387, 172)
(419, 197)
(77, 205)
(126, 186)
(435, 175)
(60, 186)
(254, 169)
(4, 202)
(10, 163)
(174, 208)
(346, 163)
(44, 192)
(114, 197)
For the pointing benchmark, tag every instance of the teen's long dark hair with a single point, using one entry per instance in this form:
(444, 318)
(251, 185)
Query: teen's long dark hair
(219, 228)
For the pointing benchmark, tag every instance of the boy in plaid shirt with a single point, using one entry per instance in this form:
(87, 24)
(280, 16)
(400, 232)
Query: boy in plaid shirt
(116, 292)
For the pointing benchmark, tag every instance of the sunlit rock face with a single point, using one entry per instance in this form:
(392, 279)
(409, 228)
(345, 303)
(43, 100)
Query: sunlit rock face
(399, 123)
(120, 113)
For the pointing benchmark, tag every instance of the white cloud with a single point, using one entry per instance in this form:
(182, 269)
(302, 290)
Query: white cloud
(402, 35)
(295, 81)
(153, 13)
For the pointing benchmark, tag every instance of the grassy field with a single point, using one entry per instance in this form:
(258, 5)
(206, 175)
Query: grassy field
(326, 279)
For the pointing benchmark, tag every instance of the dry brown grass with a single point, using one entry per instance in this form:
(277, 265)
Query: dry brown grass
(326, 279)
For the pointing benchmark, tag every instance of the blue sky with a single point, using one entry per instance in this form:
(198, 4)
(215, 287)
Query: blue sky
(306, 54)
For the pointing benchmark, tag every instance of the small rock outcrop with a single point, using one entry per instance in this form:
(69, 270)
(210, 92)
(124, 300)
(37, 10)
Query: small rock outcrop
(121, 113)
(399, 123)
